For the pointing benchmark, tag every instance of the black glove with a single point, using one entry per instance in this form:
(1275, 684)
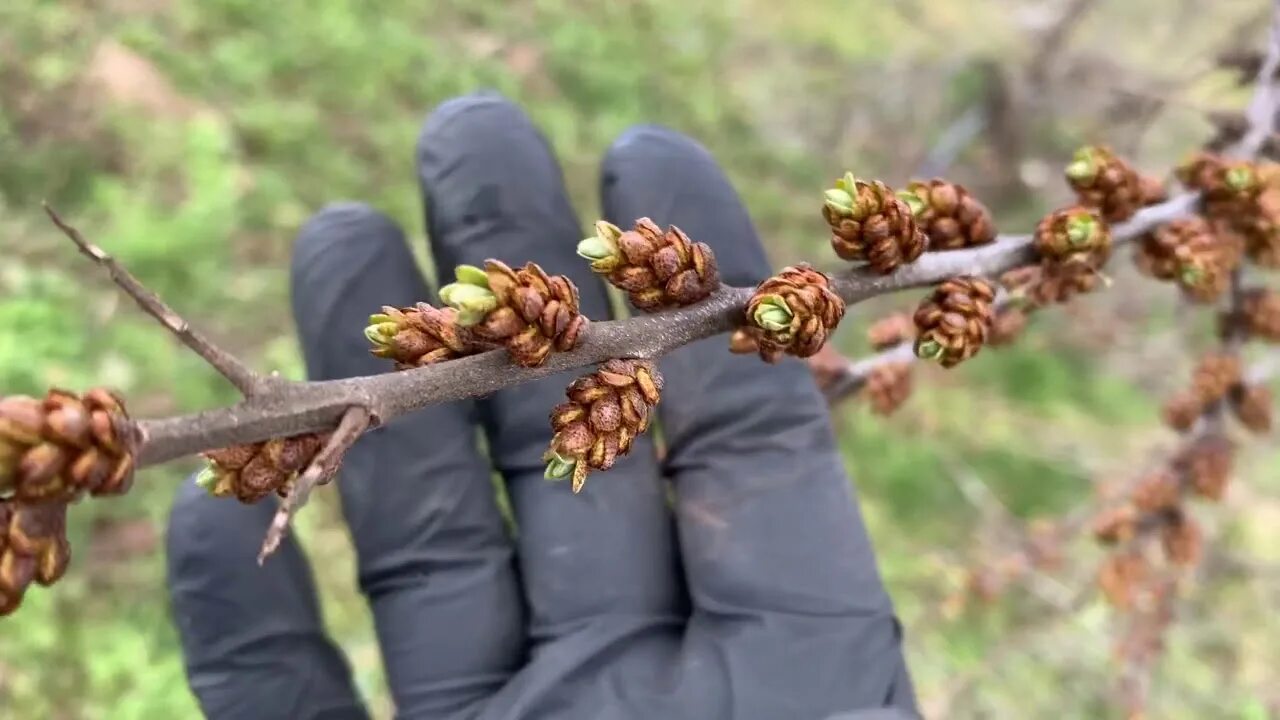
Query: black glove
(754, 595)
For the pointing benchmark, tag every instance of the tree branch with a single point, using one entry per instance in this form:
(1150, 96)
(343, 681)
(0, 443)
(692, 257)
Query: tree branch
(240, 375)
(321, 470)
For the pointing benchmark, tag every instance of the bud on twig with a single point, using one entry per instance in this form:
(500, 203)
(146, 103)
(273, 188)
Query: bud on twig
(1105, 182)
(870, 224)
(891, 330)
(952, 324)
(33, 548)
(56, 449)
(656, 269)
(419, 336)
(887, 387)
(793, 312)
(949, 216)
(606, 411)
(251, 472)
(530, 312)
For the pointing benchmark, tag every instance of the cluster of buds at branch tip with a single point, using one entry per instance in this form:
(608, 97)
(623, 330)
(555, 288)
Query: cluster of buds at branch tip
(60, 447)
(419, 336)
(1111, 186)
(872, 224)
(1073, 244)
(1239, 197)
(791, 313)
(1192, 254)
(952, 323)
(607, 410)
(251, 472)
(950, 217)
(656, 269)
(527, 310)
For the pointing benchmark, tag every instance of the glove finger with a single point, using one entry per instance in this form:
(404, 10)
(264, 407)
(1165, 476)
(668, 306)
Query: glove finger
(493, 190)
(435, 559)
(780, 568)
(252, 637)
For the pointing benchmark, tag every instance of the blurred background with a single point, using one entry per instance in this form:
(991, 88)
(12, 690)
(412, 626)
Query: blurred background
(191, 138)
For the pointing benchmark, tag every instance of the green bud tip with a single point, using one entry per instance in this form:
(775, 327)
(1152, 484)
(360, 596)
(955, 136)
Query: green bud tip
(1081, 229)
(1191, 276)
(472, 275)
(839, 201)
(471, 301)
(773, 314)
(1083, 166)
(929, 350)
(559, 467)
(380, 333)
(1239, 178)
(207, 479)
(597, 248)
(913, 201)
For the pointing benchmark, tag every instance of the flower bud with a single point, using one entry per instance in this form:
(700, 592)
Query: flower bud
(773, 314)
(472, 300)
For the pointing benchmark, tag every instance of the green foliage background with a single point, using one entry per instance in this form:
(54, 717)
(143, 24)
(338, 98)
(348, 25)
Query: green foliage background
(192, 137)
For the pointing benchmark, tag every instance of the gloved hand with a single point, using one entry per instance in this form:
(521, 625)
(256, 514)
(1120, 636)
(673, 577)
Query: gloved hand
(752, 593)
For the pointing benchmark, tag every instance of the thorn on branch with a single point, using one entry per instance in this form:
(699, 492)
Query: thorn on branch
(321, 470)
(236, 372)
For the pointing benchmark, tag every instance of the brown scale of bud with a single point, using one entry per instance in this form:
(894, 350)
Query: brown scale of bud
(949, 216)
(870, 224)
(887, 387)
(1156, 492)
(1107, 183)
(33, 548)
(1214, 376)
(953, 323)
(1252, 407)
(250, 473)
(1122, 576)
(1116, 524)
(791, 313)
(418, 336)
(891, 330)
(607, 410)
(1181, 539)
(1261, 311)
(56, 449)
(527, 310)
(1182, 410)
(656, 269)
(1207, 463)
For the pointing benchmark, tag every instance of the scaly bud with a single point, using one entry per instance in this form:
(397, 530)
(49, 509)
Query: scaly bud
(772, 314)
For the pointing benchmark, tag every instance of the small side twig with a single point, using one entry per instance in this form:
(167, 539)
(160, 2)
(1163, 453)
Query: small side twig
(240, 375)
(322, 468)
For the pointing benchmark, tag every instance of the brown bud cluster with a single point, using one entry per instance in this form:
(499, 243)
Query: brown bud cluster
(1110, 185)
(870, 224)
(250, 473)
(1261, 310)
(1182, 410)
(1252, 406)
(420, 335)
(1240, 196)
(605, 413)
(891, 330)
(56, 449)
(1156, 492)
(949, 216)
(887, 387)
(536, 313)
(793, 312)
(953, 322)
(1214, 376)
(656, 269)
(1207, 463)
(1073, 244)
(1190, 253)
(1123, 576)
(33, 548)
